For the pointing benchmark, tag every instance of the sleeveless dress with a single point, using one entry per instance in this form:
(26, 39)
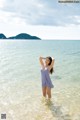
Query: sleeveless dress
(46, 81)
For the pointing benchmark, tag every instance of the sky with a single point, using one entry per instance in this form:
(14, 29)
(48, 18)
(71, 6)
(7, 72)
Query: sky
(47, 19)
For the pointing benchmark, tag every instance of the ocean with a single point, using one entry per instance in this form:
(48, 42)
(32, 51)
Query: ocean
(20, 79)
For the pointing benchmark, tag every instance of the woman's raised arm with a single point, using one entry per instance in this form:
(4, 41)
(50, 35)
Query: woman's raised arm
(52, 64)
(41, 61)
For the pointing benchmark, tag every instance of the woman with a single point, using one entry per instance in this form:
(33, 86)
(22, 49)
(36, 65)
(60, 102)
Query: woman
(47, 68)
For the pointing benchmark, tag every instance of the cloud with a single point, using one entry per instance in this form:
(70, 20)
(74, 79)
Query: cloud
(42, 12)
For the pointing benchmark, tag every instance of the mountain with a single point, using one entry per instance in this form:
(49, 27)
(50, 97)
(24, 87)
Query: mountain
(2, 36)
(19, 36)
(23, 36)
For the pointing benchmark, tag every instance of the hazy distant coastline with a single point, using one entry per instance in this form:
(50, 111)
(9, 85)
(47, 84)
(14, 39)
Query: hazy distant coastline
(19, 36)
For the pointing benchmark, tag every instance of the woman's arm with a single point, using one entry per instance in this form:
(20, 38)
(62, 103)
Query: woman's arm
(52, 64)
(41, 61)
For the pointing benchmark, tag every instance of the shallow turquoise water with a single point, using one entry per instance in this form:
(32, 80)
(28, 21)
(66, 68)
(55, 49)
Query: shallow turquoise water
(20, 82)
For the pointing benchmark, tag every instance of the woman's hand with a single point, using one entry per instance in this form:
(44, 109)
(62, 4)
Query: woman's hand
(42, 58)
(53, 58)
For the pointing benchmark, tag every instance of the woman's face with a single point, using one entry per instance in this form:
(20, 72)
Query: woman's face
(47, 61)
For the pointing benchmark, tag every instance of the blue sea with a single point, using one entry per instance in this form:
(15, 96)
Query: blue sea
(20, 79)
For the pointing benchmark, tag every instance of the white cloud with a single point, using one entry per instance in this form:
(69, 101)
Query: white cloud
(42, 12)
(2, 3)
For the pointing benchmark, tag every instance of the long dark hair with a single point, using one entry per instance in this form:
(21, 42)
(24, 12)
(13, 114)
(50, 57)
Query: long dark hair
(50, 59)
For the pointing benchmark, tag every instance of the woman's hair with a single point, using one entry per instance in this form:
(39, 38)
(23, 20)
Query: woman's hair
(50, 59)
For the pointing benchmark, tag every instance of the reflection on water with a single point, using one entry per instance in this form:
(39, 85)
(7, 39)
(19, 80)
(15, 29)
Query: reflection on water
(59, 112)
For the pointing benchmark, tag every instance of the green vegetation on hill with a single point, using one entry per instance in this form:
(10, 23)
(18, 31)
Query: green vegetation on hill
(19, 36)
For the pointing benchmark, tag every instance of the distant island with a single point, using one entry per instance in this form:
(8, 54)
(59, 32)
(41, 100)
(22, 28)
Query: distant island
(19, 36)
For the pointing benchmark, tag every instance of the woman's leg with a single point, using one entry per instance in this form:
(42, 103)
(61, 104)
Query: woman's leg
(49, 92)
(44, 91)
